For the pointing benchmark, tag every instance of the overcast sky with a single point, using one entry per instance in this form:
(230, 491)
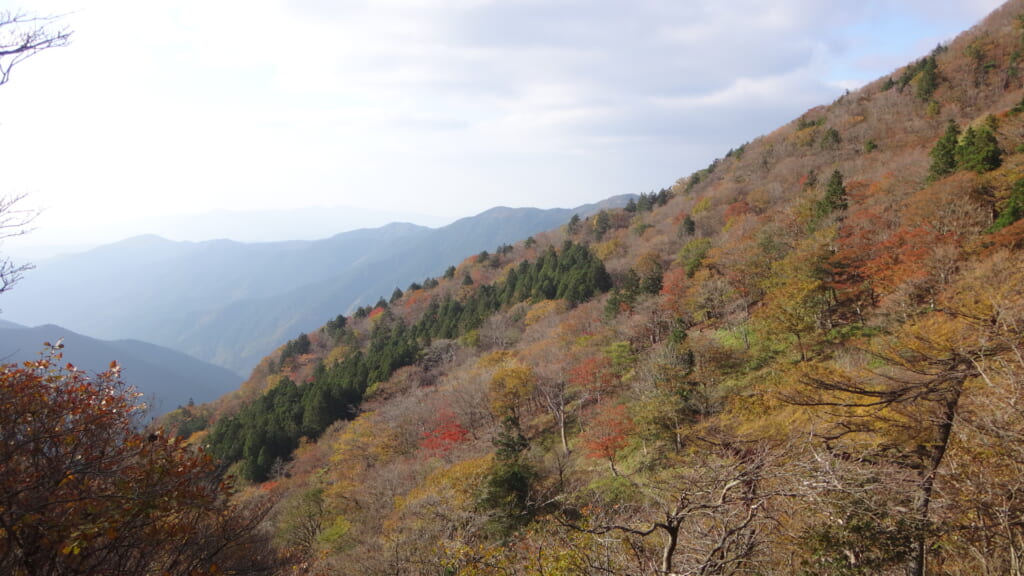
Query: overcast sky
(420, 110)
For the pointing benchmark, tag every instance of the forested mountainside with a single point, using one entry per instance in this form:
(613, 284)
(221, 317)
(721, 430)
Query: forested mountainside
(231, 303)
(807, 358)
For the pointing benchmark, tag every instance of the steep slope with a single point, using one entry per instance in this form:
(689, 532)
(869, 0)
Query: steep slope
(166, 378)
(231, 303)
(808, 360)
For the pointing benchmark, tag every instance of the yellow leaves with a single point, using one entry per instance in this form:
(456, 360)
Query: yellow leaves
(702, 205)
(543, 310)
(496, 359)
(364, 442)
(453, 487)
(274, 380)
(335, 531)
(991, 290)
(336, 355)
(607, 249)
(509, 388)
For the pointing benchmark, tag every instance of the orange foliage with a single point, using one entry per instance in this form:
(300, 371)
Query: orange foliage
(84, 491)
(736, 209)
(609, 432)
(674, 286)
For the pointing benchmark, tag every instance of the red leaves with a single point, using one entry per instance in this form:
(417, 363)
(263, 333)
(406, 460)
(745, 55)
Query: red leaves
(608, 432)
(593, 375)
(82, 487)
(446, 436)
(674, 287)
(736, 209)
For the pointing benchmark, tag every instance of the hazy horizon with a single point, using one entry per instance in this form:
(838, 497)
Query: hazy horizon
(157, 112)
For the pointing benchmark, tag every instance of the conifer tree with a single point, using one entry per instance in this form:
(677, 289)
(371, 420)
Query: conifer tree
(979, 150)
(944, 154)
(835, 194)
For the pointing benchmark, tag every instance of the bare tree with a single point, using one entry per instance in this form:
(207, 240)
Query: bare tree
(717, 515)
(21, 36)
(13, 222)
(24, 35)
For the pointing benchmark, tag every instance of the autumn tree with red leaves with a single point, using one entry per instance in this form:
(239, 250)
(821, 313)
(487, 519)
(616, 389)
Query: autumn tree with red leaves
(448, 434)
(609, 433)
(85, 491)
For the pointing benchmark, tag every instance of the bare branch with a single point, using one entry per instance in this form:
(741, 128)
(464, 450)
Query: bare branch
(13, 222)
(23, 36)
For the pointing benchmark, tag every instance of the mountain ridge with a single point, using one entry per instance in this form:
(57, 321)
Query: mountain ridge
(166, 378)
(196, 296)
(806, 359)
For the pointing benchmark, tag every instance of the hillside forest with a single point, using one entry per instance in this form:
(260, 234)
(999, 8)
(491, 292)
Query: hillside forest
(806, 358)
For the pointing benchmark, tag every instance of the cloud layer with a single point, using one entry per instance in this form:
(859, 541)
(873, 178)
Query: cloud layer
(444, 107)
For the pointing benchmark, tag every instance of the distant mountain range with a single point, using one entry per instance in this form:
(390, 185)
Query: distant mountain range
(231, 303)
(166, 378)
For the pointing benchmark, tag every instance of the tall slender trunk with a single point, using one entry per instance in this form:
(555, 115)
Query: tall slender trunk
(938, 451)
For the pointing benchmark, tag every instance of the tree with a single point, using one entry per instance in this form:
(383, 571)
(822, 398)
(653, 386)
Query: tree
(609, 433)
(602, 224)
(835, 193)
(688, 227)
(1013, 209)
(448, 434)
(506, 491)
(908, 414)
(979, 150)
(574, 224)
(23, 36)
(944, 154)
(927, 78)
(716, 515)
(13, 222)
(85, 491)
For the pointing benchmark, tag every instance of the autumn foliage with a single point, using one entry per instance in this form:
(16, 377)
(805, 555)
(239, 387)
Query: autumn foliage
(85, 491)
(805, 358)
(443, 438)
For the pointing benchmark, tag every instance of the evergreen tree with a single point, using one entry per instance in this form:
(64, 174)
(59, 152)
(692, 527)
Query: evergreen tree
(574, 224)
(602, 224)
(927, 78)
(1013, 210)
(835, 193)
(645, 203)
(944, 154)
(689, 226)
(979, 150)
(507, 490)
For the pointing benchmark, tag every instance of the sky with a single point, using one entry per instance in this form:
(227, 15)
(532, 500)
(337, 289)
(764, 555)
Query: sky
(297, 119)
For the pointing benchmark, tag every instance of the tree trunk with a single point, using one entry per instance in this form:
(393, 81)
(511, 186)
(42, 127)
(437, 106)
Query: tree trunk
(672, 530)
(935, 456)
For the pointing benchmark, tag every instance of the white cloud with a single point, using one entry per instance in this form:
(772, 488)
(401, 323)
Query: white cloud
(443, 106)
